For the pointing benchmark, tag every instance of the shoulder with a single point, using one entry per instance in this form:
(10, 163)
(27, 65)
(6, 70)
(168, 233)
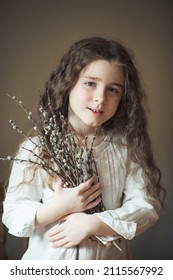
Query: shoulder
(119, 142)
(115, 148)
(29, 146)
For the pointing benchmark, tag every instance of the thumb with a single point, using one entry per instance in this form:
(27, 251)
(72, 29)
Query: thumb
(59, 184)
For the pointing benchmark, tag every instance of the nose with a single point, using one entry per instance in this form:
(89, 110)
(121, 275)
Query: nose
(100, 96)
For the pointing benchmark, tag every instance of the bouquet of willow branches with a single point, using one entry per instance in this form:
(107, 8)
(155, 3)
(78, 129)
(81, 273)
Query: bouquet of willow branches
(60, 152)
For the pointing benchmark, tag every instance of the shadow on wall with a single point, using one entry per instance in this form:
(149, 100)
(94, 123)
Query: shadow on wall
(147, 246)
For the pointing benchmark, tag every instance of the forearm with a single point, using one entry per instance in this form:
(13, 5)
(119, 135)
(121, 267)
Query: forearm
(76, 228)
(48, 213)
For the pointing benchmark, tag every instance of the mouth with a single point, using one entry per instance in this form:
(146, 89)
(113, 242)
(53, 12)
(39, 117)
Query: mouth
(95, 111)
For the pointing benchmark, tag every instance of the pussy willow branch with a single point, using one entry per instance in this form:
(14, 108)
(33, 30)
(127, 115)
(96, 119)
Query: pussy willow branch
(61, 154)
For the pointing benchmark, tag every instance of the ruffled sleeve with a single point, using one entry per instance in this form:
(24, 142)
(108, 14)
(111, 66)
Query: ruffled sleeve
(23, 195)
(136, 214)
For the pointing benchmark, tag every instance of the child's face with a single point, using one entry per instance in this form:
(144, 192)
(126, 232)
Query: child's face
(95, 97)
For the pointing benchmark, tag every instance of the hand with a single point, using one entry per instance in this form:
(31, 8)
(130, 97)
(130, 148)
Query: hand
(77, 227)
(68, 200)
(78, 199)
(74, 229)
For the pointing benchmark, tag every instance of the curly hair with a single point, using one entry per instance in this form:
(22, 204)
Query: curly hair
(129, 120)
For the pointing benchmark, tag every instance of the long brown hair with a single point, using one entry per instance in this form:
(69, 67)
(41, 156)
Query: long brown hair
(130, 119)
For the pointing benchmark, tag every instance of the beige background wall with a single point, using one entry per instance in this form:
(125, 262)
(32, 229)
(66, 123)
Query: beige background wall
(34, 34)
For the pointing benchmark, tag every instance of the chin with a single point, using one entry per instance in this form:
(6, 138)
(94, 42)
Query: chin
(90, 123)
(94, 125)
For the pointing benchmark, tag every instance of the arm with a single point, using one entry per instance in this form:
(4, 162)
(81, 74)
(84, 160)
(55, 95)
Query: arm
(139, 210)
(76, 228)
(136, 214)
(23, 210)
(23, 195)
(68, 200)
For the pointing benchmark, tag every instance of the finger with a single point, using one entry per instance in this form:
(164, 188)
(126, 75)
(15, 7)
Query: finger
(56, 237)
(59, 243)
(98, 187)
(93, 196)
(69, 245)
(59, 184)
(64, 243)
(56, 230)
(93, 203)
(85, 186)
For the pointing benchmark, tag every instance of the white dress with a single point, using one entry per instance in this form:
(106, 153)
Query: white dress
(129, 210)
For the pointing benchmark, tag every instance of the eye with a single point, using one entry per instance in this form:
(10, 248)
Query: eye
(113, 90)
(90, 84)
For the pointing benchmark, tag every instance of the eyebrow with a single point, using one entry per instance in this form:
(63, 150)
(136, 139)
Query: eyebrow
(97, 79)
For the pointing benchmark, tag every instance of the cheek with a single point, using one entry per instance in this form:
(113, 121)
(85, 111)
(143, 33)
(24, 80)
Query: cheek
(114, 105)
(79, 98)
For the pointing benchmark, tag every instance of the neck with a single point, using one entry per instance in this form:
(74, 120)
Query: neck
(82, 130)
(89, 134)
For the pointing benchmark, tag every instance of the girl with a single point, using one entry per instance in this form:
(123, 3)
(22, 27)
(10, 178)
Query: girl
(96, 86)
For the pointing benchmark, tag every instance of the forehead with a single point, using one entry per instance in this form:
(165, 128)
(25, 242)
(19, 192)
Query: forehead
(103, 69)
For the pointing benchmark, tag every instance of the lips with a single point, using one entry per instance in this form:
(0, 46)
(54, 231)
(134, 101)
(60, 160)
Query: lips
(95, 110)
